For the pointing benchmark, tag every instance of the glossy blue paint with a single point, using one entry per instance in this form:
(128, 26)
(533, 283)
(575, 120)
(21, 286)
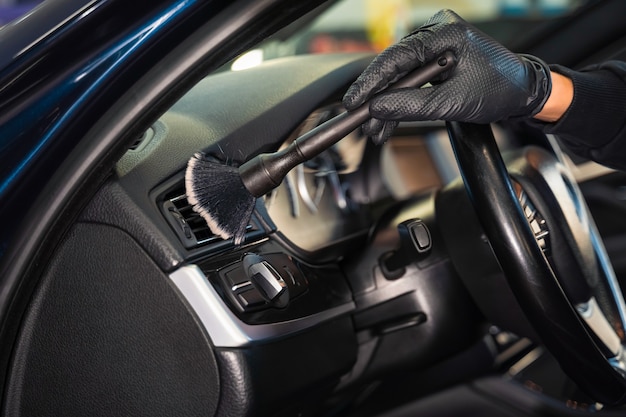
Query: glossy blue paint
(10, 13)
(50, 87)
(48, 115)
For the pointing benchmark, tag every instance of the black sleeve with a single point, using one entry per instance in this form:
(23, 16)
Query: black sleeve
(594, 126)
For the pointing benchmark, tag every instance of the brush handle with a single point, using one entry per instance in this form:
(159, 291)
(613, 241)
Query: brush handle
(266, 171)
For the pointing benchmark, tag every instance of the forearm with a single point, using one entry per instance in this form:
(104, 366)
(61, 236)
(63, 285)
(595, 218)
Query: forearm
(560, 98)
(593, 124)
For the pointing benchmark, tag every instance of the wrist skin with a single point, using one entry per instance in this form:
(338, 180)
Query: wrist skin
(560, 99)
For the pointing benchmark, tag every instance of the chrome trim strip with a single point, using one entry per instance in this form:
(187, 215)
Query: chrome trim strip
(582, 172)
(609, 272)
(592, 314)
(619, 362)
(238, 287)
(227, 330)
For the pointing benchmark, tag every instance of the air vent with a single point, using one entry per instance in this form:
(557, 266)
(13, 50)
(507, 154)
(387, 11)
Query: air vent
(142, 140)
(189, 225)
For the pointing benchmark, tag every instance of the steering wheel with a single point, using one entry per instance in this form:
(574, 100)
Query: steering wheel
(548, 247)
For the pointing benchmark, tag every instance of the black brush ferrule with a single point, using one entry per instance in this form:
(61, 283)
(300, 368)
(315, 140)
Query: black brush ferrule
(266, 171)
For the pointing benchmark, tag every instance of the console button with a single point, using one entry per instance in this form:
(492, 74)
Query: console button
(235, 277)
(250, 299)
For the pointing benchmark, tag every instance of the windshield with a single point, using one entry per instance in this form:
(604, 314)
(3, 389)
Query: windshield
(372, 25)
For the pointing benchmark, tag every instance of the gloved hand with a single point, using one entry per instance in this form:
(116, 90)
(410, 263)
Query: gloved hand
(488, 84)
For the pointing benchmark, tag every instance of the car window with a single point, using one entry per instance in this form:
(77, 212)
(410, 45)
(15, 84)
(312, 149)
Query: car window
(372, 25)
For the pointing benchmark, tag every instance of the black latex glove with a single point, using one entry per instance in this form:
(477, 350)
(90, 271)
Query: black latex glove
(488, 84)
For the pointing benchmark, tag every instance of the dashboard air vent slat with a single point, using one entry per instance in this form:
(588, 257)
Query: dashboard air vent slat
(192, 221)
(189, 225)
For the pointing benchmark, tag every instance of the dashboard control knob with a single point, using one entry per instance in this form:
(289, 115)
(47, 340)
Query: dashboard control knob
(266, 280)
(415, 243)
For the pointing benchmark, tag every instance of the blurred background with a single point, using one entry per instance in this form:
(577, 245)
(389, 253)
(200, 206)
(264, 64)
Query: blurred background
(372, 25)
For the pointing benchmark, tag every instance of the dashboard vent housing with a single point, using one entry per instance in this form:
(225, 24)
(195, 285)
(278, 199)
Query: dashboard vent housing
(142, 140)
(190, 222)
(190, 227)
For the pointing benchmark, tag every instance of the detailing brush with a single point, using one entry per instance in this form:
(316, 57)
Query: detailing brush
(225, 195)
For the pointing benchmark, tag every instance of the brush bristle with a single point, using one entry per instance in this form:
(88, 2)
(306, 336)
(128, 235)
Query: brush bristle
(217, 193)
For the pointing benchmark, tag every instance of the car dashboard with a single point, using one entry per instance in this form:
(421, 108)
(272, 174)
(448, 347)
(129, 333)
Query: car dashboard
(324, 209)
(319, 304)
(311, 231)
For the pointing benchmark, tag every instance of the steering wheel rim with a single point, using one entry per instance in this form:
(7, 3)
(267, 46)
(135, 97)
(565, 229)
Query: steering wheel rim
(528, 272)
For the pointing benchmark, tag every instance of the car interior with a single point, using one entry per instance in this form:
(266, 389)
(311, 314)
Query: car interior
(394, 300)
